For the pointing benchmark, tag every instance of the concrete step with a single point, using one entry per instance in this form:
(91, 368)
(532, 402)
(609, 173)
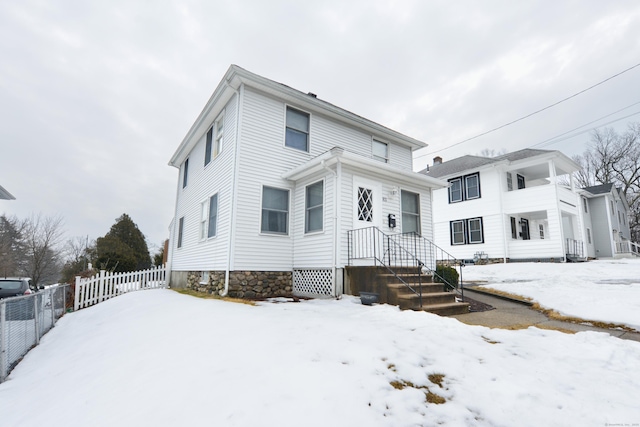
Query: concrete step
(450, 309)
(427, 288)
(407, 277)
(412, 301)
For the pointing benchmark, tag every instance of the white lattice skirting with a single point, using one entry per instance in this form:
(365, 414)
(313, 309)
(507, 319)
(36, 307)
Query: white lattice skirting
(313, 282)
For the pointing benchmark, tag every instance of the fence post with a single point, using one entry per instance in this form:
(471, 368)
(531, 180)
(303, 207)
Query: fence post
(101, 286)
(76, 298)
(36, 318)
(3, 342)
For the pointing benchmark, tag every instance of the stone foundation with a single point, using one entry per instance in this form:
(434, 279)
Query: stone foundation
(244, 284)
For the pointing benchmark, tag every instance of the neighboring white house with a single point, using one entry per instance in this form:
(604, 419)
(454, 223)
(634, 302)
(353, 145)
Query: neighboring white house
(271, 180)
(5, 195)
(606, 213)
(507, 208)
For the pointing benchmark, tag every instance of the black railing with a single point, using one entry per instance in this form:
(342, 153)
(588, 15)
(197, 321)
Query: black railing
(402, 251)
(377, 248)
(574, 248)
(433, 256)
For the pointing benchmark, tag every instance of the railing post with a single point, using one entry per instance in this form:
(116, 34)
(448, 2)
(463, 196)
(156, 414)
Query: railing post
(3, 341)
(36, 318)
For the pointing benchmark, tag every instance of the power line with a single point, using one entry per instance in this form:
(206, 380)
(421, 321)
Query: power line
(535, 112)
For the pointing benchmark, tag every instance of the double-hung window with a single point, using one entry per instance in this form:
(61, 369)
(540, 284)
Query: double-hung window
(275, 211)
(455, 190)
(410, 212)
(180, 231)
(297, 130)
(213, 146)
(314, 196)
(521, 183)
(466, 231)
(204, 217)
(380, 151)
(209, 217)
(464, 188)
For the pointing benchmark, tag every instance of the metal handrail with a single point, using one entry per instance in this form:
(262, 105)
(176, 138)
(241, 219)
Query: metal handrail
(372, 244)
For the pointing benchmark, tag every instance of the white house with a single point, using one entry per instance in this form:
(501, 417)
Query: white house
(272, 179)
(507, 208)
(606, 213)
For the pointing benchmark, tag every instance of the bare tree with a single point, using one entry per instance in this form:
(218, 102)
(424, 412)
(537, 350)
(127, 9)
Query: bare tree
(615, 158)
(42, 237)
(492, 152)
(12, 250)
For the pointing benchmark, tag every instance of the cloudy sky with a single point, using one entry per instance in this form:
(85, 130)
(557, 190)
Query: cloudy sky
(95, 96)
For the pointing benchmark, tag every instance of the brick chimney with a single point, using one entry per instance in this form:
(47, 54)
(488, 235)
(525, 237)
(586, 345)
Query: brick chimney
(437, 160)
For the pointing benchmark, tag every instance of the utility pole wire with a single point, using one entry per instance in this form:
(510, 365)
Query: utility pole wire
(534, 113)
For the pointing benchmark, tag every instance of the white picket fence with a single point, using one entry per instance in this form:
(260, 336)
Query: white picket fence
(105, 285)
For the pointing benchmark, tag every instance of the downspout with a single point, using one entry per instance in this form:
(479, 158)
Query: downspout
(336, 235)
(234, 198)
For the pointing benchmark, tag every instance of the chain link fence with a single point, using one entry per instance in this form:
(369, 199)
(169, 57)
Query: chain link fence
(24, 320)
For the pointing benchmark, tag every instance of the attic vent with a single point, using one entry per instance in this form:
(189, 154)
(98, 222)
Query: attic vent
(312, 94)
(437, 160)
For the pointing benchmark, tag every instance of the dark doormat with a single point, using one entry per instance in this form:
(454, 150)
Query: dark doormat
(477, 306)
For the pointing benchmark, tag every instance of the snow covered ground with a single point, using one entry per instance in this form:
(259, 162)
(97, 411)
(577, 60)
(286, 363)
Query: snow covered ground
(606, 291)
(159, 358)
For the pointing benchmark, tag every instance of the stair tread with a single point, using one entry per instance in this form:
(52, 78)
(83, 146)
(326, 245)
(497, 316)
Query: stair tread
(427, 295)
(443, 305)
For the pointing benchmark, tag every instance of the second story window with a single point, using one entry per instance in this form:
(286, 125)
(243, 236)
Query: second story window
(464, 188)
(214, 147)
(584, 204)
(521, 184)
(297, 130)
(380, 151)
(185, 173)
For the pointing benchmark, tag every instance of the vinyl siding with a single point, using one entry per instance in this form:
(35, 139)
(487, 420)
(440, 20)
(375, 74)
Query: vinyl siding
(204, 182)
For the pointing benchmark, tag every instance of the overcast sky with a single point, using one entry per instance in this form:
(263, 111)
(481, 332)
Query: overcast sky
(95, 96)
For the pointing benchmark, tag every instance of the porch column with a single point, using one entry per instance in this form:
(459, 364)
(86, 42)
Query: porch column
(552, 172)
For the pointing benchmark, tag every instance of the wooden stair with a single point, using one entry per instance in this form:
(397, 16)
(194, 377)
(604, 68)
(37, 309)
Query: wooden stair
(392, 291)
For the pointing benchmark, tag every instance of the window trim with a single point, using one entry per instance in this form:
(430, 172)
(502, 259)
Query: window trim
(509, 181)
(219, 137)
(308, 132)
(588, 235)
(466, 187)
(541, 229)
(288, 212)
(208, 146)
(466, 231)
(307, 209)
(514, 227)
(204, 219)
(584, 205)
(180, 232)
(384, 159)
(417, 215)
(451, 181)
(520, 178)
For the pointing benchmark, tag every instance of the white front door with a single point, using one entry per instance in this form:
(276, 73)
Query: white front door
(366, 242)
(367, 203)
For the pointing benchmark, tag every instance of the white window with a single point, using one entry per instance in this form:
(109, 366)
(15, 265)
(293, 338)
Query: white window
(213, 216)
(509, 182)
(455, 190)
(584, 205)
(180, 231)
(207, 147)
(204, 216)
(521, 183)
(541, 227)
(457, 232)
(380, 151)
(475, 230)
(217, 147)
(612, 211)
(314, 196)
(297, 130)
(472, 186)
(365, 204)
(275, 210)
(204, 278)
(410, 212)
(588, 236)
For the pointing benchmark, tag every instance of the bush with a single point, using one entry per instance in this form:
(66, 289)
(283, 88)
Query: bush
(449, 274)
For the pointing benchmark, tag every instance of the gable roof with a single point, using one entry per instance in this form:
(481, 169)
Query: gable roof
(599, 189)
(236, 76)
(4, 194)
(468, 163)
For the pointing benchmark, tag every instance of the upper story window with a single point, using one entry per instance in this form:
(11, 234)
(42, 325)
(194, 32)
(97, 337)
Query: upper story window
(464, 188)
(313, 219)
(410, 212)
(185, 173)
(521, 184)
(297, 130)
(584, 205)
(380, 151)
(213, 145)
(509, 181)
(275, 210)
